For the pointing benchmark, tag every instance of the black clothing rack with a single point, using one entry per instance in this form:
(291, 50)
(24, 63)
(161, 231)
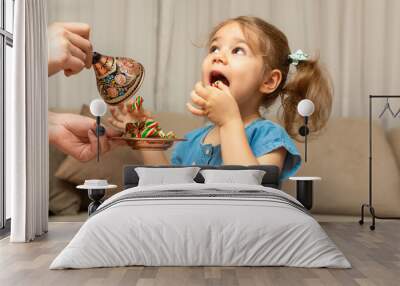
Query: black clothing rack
(369, 205)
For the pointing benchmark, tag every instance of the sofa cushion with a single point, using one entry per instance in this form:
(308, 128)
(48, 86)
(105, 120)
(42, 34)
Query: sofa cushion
(340, 157)
(63, 199)
(394, 139)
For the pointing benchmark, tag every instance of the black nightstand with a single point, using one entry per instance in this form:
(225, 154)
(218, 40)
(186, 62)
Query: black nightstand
(96, 191)
(304, 190)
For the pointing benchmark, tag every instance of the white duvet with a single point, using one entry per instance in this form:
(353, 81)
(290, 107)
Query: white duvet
(184, 230)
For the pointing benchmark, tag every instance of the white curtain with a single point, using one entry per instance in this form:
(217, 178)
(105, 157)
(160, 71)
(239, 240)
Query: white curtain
(357, 40)
(26, 124)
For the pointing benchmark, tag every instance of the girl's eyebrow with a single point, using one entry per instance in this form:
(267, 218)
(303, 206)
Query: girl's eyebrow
(237, 40)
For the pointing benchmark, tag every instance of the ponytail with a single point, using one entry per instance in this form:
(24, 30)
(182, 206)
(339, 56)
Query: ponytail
(310, 81)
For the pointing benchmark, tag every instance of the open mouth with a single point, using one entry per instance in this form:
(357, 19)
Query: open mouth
(218, 76)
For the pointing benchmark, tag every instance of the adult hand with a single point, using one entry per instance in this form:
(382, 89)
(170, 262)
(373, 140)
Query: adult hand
(69, 48)
(74, 135)
(215, 102)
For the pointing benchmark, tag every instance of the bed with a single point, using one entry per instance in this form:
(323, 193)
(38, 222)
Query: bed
(201, 224)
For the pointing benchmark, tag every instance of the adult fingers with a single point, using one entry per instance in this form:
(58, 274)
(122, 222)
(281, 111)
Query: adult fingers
(84, 45)
(67, 72)
(195, 111)
(73, 65)
(89, 59)
(77, 52)
(103, 142)
(117, 142)
(91, 149)
(110, 132)
(79, 41)
(81, 29)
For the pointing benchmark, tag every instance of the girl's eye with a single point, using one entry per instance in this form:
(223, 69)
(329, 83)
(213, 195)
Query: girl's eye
(238, 51)
(213, 49)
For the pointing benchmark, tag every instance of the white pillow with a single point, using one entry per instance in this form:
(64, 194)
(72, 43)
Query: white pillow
(249, 177)
(162, 176)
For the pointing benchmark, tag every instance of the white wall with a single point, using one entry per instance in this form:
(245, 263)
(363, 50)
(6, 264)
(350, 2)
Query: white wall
(358, 40)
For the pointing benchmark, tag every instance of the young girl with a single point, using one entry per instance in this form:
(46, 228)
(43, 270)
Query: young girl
(247, 67)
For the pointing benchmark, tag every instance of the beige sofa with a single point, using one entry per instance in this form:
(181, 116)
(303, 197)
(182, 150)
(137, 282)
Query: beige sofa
(339, 155)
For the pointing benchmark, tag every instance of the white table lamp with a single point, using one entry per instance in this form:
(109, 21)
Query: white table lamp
(98, 108)
(305, 108)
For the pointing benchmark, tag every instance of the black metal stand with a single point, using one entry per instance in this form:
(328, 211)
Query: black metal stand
(95, 195)
(304, 193)
(369, 205)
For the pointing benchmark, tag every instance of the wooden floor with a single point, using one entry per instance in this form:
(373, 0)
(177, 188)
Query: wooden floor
(374, 255)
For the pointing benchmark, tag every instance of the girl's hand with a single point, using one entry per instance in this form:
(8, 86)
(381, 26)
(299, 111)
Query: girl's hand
(217, 103)
(124, 114)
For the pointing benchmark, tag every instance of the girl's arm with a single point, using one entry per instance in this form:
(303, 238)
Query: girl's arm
(236, 150)
(217, 103)
(154, 158)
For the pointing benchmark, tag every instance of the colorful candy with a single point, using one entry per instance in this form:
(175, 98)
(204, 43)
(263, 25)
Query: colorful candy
(145, 128)
(170, 135)
(150, 123)
(130, 127)
(137, 105)
(149, 132)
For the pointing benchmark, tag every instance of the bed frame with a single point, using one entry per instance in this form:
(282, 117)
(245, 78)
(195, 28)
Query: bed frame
(270, 179)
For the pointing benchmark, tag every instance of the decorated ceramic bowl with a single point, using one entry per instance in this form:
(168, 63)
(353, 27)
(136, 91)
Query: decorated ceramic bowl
(118, 78)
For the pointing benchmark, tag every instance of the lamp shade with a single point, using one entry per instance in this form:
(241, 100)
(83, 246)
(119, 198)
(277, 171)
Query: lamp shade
(305, 107)
(98, 107)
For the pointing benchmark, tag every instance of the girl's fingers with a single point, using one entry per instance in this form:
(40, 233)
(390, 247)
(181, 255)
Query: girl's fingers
(195, 111)
(117, 115)
(111, 132)
(201, 90)
(199, 101)
(128, 106)
(221, 86)
(117, 124)
(147, 113)
(122, 108)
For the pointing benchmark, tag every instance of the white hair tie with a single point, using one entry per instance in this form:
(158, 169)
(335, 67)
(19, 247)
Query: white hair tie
(296, 57)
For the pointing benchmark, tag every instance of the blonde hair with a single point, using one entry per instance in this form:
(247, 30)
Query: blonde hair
(309, 81)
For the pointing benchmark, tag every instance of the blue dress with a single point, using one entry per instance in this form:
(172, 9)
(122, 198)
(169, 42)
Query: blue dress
(263, 136)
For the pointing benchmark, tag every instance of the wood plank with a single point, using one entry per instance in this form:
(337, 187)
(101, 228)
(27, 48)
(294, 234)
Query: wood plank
(375, 257)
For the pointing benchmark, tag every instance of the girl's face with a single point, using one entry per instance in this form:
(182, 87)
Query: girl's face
(231, 60)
